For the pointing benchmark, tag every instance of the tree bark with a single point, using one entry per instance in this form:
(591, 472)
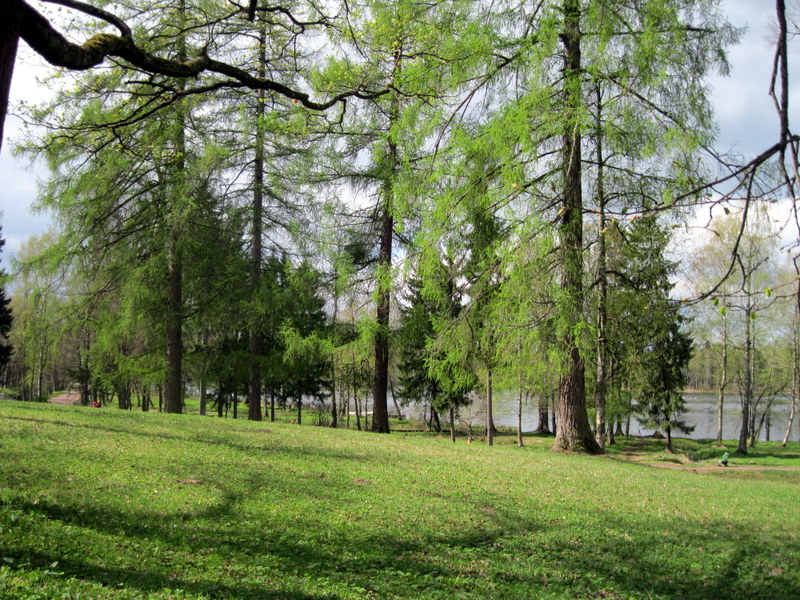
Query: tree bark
(174, 327)
(380, 414)
(452, 424)
(602, 277)
(795, 382)
(9, 41)
(573, 432)
(544, 423)
(723, 381)
(489, 407)
(748, 385)
(256, 340)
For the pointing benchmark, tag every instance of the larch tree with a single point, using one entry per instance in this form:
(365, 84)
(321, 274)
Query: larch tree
(649, 59)
(404, 48)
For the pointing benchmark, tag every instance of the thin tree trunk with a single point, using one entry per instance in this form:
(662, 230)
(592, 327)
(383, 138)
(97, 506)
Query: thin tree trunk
(394, 400)
(795, 383)
(174, 316)
(573, 432)
(767, 423)
(748, 388)
(628, 416)
(203, 395)
(357, 407)
(754, 434)
(272, 404)
(256, 340)
(602, 276)
(334, 412)
(380, 409)
(380, 418)
(519, 420)
(489, 416)
(366, 412)
(723, 382)
(452, 424)
(668, 431)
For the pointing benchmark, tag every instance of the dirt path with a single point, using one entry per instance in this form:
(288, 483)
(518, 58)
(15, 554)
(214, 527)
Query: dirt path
(68, 398)
(717, 468)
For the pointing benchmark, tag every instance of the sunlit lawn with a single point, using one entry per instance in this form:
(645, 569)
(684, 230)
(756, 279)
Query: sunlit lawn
(112, 504)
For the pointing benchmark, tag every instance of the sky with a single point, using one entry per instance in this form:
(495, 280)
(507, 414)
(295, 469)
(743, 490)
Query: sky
(744, 111)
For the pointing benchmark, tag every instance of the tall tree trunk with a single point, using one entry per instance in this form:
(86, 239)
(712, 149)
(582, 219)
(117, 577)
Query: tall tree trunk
(668, 431)
(334, 412)
(753, 402)
(795, 381)
(380, 408)
(723, 380)
(573, 432)
(256, 340)
(602, 278)
(748, 385)
(452, 412)
(174, 326)
(489, 416)
(519, 419)
(380, 417)
(173, 395)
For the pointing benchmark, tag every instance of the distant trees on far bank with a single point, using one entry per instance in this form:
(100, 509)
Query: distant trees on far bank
(475, 207)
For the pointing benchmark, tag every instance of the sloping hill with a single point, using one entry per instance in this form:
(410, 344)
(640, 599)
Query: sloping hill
(114, 504)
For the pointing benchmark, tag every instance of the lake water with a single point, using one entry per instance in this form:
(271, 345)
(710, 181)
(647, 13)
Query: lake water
(701, 412)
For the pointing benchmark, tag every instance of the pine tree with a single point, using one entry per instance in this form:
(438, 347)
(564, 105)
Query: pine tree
(6, 318)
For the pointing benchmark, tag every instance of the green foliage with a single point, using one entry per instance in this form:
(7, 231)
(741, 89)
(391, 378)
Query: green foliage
(425, 375)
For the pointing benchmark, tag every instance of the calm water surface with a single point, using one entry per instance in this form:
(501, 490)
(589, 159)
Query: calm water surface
(701, 413)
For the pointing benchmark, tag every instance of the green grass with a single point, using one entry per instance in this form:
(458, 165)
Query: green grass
(113, 504)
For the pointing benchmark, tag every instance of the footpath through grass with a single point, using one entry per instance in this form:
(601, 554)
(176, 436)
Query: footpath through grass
(114, 504)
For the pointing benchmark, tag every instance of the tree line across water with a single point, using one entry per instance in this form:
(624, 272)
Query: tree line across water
(485, 199)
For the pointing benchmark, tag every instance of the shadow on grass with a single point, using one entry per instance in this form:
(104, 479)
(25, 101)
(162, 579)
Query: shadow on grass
(505, 553)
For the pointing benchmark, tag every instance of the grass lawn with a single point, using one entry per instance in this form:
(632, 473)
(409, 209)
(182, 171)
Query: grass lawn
(114, 504)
